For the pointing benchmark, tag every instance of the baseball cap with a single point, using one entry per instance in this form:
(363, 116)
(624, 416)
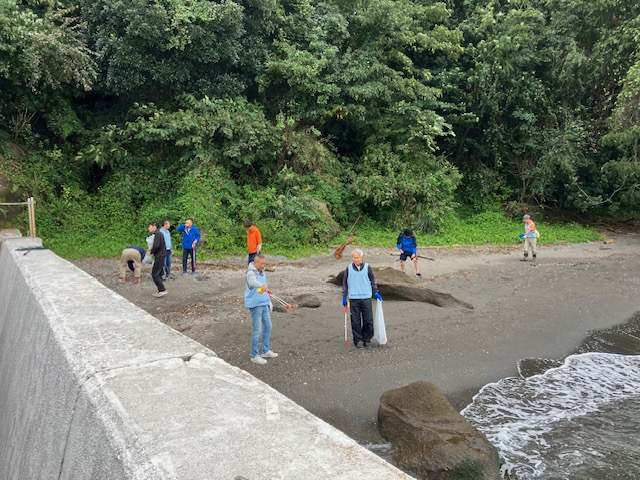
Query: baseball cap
(526, 217)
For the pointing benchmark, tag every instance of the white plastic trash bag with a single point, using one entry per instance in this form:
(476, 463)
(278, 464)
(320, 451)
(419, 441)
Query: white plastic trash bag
(379, 330)
(147, 260)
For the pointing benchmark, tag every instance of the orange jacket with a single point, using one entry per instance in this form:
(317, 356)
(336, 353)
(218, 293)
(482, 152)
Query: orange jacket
(254, 238)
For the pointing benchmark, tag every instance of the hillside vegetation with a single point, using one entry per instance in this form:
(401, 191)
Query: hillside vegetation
(308, 117)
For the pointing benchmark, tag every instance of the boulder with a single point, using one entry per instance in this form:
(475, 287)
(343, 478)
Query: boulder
(305, 300)
(395, 285)
(431, 439)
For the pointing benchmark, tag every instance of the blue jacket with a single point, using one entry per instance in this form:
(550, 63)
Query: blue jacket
(407, 244)
(189, 236)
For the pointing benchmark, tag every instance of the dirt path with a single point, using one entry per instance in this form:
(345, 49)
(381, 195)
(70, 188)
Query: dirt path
(519, 311)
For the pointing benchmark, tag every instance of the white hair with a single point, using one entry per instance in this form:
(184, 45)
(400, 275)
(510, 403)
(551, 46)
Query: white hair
(358, 251)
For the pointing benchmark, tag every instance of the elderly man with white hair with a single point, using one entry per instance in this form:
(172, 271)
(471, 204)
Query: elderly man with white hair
(358, 286)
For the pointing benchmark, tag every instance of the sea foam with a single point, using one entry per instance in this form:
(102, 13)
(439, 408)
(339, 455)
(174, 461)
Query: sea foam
(529, 419)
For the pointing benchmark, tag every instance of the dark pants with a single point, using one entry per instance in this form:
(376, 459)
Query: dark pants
(156, 273)
(185, 256)
(361, 319)
(252, 256)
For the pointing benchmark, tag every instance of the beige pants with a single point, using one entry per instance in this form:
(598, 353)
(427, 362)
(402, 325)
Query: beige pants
(130, 255)
(530, 243)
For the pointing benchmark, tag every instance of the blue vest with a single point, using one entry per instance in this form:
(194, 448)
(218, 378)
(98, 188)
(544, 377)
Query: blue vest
(358, 282)
(251, 296)
(529, 235)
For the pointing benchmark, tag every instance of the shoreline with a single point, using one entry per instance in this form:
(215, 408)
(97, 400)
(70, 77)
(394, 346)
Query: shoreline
(519, 311)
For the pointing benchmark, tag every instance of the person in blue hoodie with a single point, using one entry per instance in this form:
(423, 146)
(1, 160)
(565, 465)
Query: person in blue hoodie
(190, 239)
(358, 286)
(408, 246)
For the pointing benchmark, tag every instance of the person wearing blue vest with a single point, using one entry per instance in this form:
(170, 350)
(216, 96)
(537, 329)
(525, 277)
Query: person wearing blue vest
(408, 246)
(258, 301)
(358, 286)
(530, 237)
(190, 238)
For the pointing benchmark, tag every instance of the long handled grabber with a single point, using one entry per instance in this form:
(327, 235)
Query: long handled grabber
(276, 298)
(346, 341)
(193, 259)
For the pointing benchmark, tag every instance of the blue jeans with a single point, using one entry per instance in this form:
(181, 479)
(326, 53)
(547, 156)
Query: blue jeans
(261, 318)
(167, 264)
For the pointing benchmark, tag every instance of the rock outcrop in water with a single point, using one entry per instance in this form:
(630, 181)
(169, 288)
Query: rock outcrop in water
(432, 439)
(395, 285)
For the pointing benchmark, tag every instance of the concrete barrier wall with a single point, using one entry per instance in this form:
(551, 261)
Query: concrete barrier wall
(92, 387)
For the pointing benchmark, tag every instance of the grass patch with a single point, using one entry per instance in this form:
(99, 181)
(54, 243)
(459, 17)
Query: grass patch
(489, 229)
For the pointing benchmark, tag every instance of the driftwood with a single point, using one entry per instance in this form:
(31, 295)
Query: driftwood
(419, 256)
(338, 253)
(395, 285)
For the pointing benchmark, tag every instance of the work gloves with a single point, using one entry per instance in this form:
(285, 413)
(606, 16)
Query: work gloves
(377, 296)
(344, 301)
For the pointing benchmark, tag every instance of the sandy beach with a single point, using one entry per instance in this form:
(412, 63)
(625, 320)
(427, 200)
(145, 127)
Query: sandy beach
(519, 311)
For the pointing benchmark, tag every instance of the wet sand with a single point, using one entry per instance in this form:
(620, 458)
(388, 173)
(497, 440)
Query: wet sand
(520, 311)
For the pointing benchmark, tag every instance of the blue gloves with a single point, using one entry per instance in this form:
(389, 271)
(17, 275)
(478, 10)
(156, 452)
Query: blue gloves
(344, 301)
(521, 235)
(378, 297)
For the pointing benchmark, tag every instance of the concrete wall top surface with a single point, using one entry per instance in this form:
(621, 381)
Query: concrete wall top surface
(166, 405)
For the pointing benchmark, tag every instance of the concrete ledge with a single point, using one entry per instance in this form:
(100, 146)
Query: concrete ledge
(92, 387)
(9, 233)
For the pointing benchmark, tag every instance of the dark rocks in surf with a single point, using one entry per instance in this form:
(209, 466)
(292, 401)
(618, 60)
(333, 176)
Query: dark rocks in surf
(430, 438)
(395, 285)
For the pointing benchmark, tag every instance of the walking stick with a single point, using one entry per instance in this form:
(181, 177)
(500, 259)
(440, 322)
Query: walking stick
(346, 341)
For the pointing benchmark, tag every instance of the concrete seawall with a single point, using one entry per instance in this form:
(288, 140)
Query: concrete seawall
(92, 387)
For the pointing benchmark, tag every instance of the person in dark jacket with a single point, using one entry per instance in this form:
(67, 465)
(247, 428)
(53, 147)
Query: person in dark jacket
(408, 246)
(131, 259)
(358, 286)
(159, 252)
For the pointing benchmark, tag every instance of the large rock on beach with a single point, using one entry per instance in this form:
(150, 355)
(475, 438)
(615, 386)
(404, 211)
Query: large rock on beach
(395, 285)
(430, 438)
(305, 300)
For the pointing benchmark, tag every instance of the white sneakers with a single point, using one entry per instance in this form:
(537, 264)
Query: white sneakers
(160, 294)
(260, 359)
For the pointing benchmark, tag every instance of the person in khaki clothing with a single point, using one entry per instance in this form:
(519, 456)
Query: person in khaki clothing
(530, 237)
(131, 259)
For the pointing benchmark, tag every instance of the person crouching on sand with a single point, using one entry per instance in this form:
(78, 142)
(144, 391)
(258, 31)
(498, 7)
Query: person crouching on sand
(358, 286)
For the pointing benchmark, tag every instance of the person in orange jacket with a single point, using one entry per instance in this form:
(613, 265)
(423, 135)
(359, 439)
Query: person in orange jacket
(254, 240)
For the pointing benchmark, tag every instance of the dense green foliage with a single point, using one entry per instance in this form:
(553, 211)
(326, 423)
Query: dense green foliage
(305, 115)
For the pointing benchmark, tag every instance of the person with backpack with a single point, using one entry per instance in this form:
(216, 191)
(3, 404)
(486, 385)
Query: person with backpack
(190, 239)
(408, 246)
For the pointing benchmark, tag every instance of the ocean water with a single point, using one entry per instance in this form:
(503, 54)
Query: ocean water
(579, 420)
